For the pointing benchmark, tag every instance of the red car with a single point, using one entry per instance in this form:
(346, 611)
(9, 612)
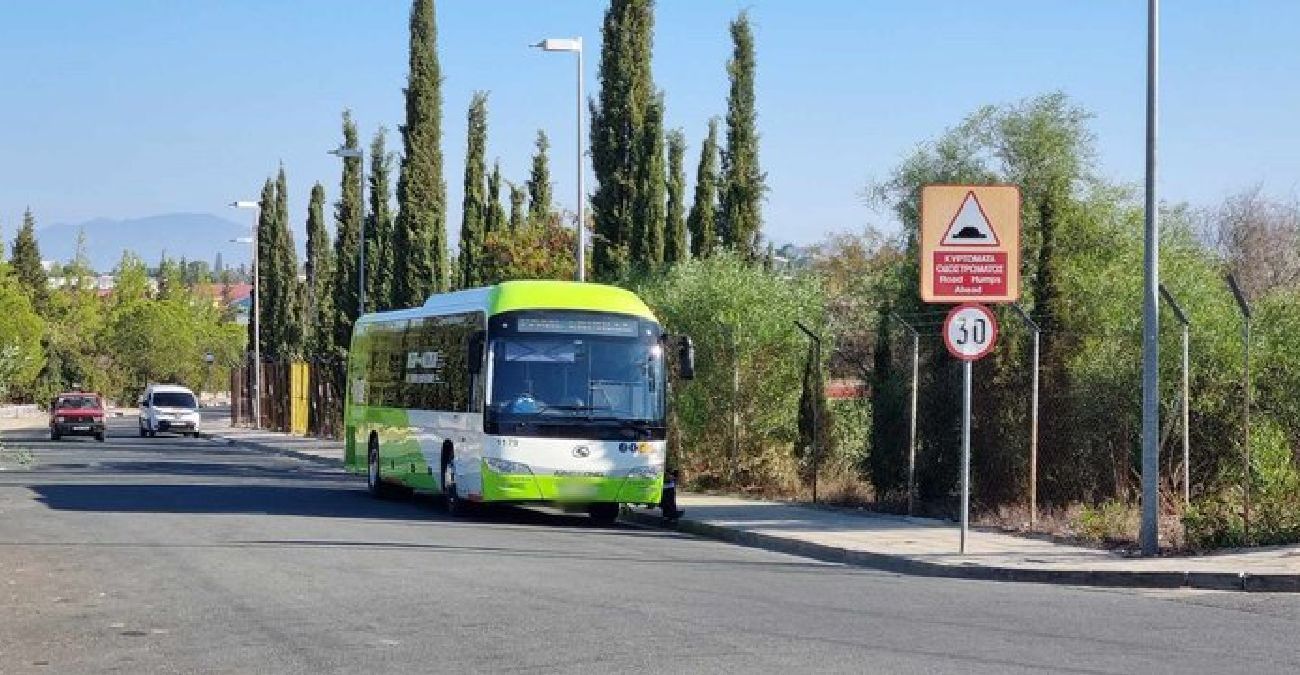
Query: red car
(77, 414)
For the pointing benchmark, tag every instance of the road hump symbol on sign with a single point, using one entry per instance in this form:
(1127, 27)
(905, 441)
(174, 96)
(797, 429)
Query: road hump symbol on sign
(970, 227)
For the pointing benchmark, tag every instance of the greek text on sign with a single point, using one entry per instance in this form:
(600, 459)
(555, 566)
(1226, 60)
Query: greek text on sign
(970, 243)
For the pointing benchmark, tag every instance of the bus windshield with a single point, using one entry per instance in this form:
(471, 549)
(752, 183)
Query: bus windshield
(570, 367)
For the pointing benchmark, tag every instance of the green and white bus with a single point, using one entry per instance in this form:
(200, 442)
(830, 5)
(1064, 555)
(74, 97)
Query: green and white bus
(527, 391)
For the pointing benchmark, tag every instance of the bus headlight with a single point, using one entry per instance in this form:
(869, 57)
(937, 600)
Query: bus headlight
(506, 466)
(651, 472)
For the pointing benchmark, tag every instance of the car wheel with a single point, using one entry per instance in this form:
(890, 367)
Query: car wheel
(54, 435)
(100, 437)
(143, 433)
(603, 513)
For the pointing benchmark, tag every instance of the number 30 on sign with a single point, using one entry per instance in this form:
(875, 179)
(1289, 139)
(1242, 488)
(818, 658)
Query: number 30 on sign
(970, 332)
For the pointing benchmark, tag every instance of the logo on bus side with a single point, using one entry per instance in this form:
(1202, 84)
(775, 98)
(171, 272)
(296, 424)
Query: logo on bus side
(582, 451)
(429, 361)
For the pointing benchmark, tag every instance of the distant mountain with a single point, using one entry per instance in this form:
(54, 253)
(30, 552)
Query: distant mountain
(195, 236)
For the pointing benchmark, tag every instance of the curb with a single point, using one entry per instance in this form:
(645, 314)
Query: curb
(900, 564)
(266, 447)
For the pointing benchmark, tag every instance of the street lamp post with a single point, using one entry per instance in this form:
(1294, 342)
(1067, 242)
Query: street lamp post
(257, 314)
(574, 45)
(347, 153)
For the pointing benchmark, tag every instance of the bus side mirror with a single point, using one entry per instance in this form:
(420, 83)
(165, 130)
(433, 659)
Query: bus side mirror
(685, 357)
(475, 352)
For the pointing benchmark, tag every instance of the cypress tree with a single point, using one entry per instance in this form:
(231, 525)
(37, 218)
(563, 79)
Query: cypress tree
(742, 181)
(319, 308)
(675, 215)
(648, 208)
(380, 255)
(287, 317)
(618, 118)
(702, 220)
(421, 238)
(473, 225)
(266, 268)
(539, 183)
(518, 219)
(496, 214)
(25, 261)
(347, 219)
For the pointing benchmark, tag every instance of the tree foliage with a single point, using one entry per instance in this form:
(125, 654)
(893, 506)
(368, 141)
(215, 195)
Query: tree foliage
(530, 252)
(740, 221)
(25, 261)
(319, 310)
(702, 221)
(742, 320)
(618, 124)
(420, 241)
(474, 207)
(539, 182)
(675, 247)
(380, 256)
(648, 208)
(348, 212)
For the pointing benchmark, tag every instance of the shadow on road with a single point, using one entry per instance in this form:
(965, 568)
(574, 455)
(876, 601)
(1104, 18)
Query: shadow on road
(288, 500)
(321, 501)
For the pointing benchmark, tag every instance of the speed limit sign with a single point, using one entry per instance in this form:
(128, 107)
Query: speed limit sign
(970, 331)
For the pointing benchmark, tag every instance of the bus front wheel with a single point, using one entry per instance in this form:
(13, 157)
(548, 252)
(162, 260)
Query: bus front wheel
(604, 513)
(374, 483)
(455, 505)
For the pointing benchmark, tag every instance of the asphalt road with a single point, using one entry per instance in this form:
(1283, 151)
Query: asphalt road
(183, 555)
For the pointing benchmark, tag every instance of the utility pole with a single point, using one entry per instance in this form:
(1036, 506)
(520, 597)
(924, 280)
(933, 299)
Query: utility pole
(1150, 531)
(911, 436)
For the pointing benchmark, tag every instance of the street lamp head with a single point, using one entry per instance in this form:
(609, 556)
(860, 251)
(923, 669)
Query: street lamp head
(243, 205)
(347, 153)
(559, 45)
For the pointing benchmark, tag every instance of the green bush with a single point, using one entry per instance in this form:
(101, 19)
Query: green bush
(1218, 520)
(741, 318)
(1110, 521)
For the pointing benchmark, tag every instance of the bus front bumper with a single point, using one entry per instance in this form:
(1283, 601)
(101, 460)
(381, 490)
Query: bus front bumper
(499, 487)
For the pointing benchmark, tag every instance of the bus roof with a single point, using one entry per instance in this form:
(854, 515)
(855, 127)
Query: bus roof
(514, 295)
(510, 296)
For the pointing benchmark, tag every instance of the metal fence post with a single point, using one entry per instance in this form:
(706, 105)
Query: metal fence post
(1186, 395)
(1033, 421)
(1245, 336)
(911, 436)
(816, 404)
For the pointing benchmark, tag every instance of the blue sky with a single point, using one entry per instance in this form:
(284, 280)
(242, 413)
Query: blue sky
(139, 107)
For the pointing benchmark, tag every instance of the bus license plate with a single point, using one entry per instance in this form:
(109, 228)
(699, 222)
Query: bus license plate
(578, 490)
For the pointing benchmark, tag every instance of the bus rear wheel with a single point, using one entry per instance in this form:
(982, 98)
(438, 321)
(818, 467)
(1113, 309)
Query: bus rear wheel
(603, 513)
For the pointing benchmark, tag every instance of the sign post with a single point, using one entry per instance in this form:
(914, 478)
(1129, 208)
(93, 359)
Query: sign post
(969, 333)
(970, 253)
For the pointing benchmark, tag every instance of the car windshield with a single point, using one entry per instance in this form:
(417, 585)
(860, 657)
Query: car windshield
(77, 402)
(564, 375)
(174, 399)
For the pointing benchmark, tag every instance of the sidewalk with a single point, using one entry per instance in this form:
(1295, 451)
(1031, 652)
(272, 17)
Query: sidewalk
(321, 450)
(915, 546)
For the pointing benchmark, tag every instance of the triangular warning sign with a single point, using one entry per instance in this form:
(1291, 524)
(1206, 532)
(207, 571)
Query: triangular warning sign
(970, 227)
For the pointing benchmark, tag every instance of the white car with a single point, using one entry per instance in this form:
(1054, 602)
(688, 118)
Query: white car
(169, 408)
